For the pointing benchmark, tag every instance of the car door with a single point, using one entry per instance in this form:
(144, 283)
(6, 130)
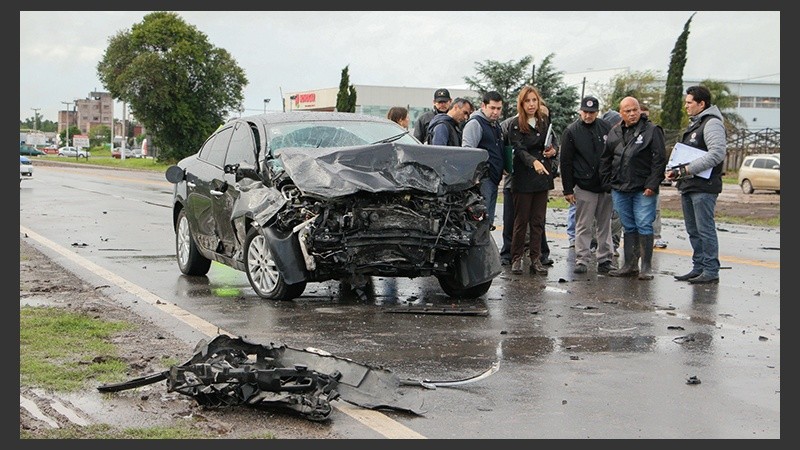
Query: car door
(241, 150)
(760, 172)
(203, 178)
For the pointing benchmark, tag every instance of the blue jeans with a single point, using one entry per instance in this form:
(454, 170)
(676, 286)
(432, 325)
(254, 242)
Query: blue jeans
(489, 193)
(698, 216)
(636, 211)
(571, 223)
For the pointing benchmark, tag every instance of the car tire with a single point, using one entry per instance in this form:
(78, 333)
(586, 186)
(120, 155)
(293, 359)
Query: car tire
(747, 186)
(190, 260)
(449, 287)
(262, 270)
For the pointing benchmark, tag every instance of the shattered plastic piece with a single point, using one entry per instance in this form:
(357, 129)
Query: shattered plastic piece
(693, 380)
(434, 384)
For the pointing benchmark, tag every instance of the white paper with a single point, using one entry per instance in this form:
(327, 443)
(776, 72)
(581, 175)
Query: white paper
(548, 138)
(683, 154)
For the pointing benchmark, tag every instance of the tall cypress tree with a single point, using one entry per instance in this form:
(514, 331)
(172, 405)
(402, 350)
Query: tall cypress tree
(346, 97)
(672, 106)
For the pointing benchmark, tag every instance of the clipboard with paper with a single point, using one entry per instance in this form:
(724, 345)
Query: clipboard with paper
(683, 154)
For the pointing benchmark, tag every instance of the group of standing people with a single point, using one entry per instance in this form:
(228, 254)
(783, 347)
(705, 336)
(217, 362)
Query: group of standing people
(609, 168)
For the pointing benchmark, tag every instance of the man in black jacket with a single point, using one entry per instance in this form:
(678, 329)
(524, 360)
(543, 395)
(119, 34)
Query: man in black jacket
(444, 129)
(633, 163)
(581, 148)
(441, 103)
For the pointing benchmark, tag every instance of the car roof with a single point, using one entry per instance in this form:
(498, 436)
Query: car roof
(311, 116)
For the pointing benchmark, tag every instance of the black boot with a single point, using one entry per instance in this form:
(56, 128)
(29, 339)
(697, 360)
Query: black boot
(646, 248)
(630, 249)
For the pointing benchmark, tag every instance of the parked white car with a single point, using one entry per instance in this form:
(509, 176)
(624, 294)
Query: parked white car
(25, 168)
(73, 152)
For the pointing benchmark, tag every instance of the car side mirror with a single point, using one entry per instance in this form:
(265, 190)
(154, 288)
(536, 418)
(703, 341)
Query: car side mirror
(242, 171)
(175, 174)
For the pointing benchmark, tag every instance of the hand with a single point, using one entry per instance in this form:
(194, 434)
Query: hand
(570, 198)
(649, 192)
(550, 152)
(539, 167)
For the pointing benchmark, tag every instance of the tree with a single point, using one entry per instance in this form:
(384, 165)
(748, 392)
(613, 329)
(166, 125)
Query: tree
(561, 99)
(508, 79)
(346, 98)
(178, 85)
(672, 111)
(73, 130)
(99, 135)
(642, 85)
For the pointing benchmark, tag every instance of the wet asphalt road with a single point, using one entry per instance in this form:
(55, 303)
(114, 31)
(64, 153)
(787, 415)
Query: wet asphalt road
(580, 356)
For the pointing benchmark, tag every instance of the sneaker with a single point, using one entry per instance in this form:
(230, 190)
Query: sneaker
(580, 268)
(605, 267)
(546, 261)
(660, 244)
(516, 267)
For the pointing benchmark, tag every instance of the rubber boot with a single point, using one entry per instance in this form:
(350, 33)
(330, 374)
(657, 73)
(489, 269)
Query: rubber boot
(630, 250)
(646, 249)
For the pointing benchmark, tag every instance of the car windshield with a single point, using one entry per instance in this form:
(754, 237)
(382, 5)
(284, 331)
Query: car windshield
(333, 134)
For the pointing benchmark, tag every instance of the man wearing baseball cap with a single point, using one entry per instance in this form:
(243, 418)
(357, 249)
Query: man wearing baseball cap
(582, 146)
(441, 103)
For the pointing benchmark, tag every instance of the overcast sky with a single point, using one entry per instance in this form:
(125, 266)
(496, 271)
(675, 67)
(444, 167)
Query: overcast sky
(305, 50)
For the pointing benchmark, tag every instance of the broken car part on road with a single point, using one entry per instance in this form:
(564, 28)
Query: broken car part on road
(229, 371)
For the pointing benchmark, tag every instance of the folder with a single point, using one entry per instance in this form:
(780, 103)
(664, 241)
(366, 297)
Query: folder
(683, 154)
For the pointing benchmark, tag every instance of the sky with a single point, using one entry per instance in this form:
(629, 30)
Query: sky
(290, 51)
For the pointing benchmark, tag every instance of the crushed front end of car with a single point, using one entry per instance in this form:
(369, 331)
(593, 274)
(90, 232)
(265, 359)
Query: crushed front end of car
(384, 209)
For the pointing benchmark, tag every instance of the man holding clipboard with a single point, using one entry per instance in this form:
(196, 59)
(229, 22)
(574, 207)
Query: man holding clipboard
(698, 172)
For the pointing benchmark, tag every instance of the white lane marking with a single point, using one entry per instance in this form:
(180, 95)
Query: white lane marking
(379, 422)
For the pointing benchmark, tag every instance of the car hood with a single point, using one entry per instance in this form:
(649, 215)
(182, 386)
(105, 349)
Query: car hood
(387, 167)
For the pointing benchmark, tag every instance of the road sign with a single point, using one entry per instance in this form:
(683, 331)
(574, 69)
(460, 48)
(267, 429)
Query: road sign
(80, 141)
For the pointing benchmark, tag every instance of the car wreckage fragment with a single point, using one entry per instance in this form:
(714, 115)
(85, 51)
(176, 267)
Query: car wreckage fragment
(229, 371)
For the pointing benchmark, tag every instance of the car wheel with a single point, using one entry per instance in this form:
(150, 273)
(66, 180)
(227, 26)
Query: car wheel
(190, 261)
(747, 186)
(262, 271)
(449, 288)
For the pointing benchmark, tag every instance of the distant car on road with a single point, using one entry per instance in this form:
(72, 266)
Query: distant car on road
(73, 152)
(760, 172)
(51, 149)
(129, 153)
(25, 168)
(29, 150)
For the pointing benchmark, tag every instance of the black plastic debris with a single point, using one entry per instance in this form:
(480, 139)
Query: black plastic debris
(230, 371)
(693, 380)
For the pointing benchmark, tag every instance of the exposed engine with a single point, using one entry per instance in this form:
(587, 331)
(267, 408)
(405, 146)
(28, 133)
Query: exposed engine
(393, 233)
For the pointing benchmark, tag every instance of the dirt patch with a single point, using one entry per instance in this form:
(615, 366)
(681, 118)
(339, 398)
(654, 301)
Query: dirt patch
(43, 283)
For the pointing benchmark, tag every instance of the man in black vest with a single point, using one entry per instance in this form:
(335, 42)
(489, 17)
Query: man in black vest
(482, 130)
(706, 131)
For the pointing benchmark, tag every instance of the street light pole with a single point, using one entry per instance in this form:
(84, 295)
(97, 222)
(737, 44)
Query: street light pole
(66, 120)
(35, 118)
(266, 100)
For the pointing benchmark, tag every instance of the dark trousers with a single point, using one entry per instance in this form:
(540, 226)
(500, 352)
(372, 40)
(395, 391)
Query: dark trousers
(508, 229)
(530, 211)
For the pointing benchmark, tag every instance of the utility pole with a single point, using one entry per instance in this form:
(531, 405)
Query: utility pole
(583, 87)
(67, 123)
(266, 100)
(35, 118)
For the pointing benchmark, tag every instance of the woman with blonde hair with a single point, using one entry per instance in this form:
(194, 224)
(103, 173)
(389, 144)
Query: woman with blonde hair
(533, 178)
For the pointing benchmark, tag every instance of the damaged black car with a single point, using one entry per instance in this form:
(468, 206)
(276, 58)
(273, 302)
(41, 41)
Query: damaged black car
(299, 197)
